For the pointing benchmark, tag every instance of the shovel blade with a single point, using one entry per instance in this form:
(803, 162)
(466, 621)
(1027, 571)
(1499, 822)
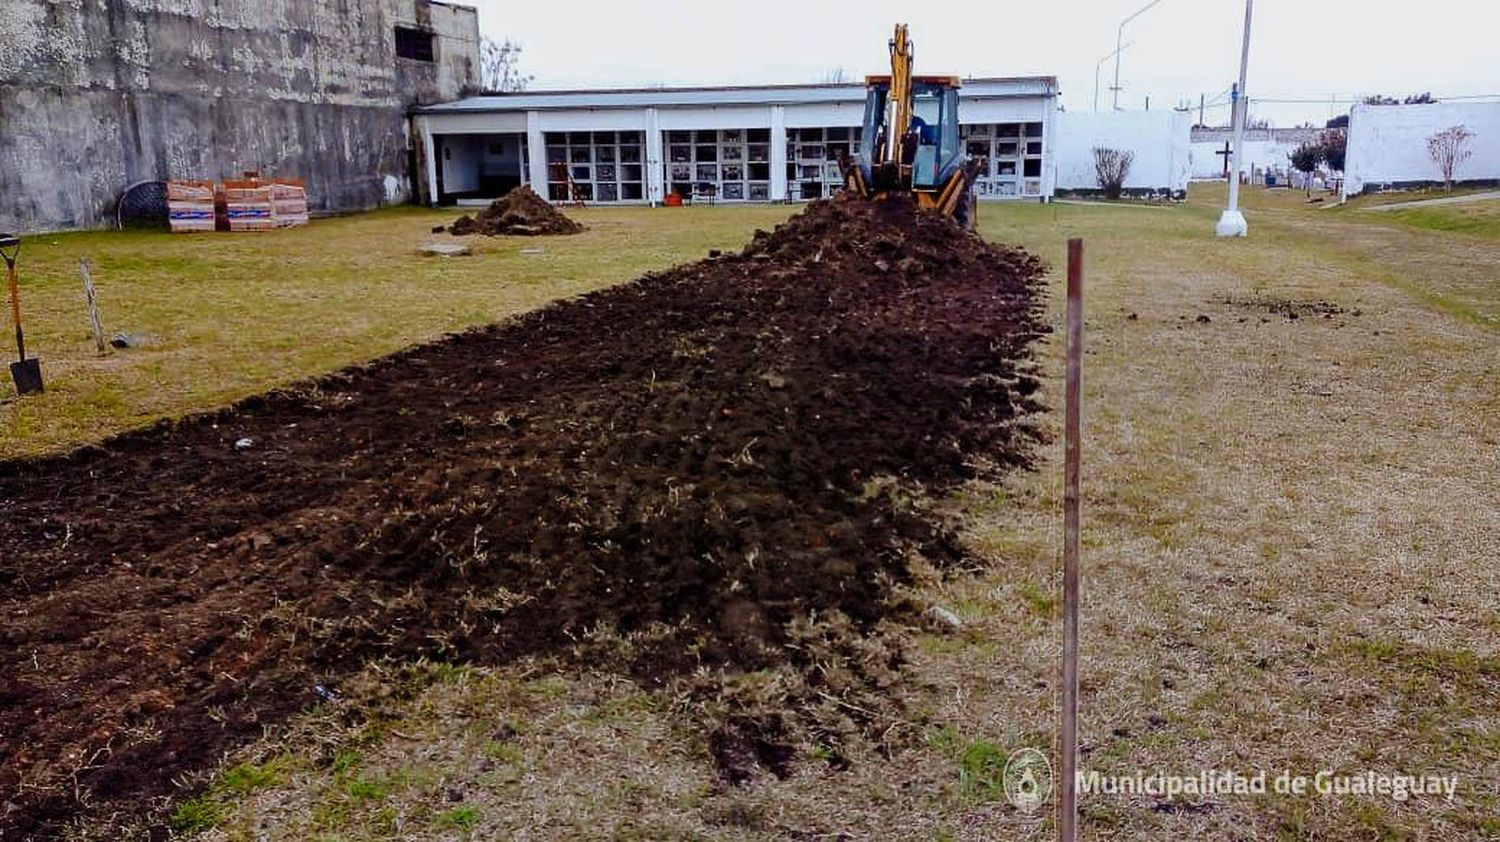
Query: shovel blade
(28, 376)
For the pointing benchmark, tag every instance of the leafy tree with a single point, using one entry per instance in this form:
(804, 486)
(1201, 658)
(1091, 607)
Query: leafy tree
(1449, 148)
(1414, 99)
(1335, 144)
(1305, 159)
(1339, 122)
(1111, 168)
(498, 66)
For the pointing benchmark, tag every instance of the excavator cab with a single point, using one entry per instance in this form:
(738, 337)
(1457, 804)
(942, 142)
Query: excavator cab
(910, 144)
(932, 129)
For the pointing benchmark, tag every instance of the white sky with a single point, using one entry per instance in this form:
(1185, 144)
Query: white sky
(1300, 49)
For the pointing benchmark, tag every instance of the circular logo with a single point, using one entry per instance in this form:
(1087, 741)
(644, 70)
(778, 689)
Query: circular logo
(1028, 779)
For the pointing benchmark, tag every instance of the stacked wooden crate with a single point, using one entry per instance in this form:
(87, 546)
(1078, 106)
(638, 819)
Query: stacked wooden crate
(249, 204)
(190, 206)
(288, 202)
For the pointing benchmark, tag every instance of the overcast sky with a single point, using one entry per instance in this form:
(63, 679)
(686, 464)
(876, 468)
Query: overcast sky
(1301, 49)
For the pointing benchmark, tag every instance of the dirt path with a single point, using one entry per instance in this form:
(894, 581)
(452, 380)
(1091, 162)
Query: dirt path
(695, 461)
(1446, 200)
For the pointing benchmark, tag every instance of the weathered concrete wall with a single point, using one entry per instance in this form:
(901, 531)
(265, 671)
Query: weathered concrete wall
(1388, 144)
(97, 94)
(1159, 140)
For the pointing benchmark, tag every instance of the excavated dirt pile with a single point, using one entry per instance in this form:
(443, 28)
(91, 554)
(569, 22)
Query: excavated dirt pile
(711, 466)
(519, 212)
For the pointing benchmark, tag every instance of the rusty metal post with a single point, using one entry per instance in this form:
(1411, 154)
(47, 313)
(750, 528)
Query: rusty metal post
(1068, 802)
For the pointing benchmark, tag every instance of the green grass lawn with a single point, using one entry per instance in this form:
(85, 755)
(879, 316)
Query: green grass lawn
(231, 315)
(1480, 218)
(1289, 533)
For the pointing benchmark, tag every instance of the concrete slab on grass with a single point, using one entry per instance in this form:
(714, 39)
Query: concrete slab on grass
(442, 249)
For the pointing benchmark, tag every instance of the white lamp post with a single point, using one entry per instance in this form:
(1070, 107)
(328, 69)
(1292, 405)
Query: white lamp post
(1100, 66)
(1232, 222)
(1119, 48)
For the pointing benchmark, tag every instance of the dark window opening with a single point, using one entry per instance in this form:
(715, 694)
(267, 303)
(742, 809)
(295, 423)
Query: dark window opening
(414, 44)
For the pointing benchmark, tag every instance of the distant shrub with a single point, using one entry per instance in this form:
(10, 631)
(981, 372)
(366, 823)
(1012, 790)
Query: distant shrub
(1335, 144)
(1111, 168)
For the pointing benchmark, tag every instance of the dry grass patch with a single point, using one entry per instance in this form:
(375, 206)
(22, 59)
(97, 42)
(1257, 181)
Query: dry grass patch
(231, 315)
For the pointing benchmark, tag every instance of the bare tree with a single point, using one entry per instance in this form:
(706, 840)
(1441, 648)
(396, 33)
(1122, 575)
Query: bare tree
(498, 66)
(835, 76)
(1111, 168)
(1449, 148)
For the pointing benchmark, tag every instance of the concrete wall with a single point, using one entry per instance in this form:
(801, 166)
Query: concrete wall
(1159, 140)
(97, 94)
(1265, 149)
(1388, 144)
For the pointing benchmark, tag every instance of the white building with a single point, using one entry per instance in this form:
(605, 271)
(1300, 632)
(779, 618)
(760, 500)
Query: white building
(751, 144)
(1388, 145)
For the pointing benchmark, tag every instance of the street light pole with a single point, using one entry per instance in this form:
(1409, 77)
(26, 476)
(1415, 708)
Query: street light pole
(1100, 66)
(1119, 39)
(1232, 222)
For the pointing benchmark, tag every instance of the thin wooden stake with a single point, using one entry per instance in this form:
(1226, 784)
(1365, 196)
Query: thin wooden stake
(1068, 802)
(93, 304)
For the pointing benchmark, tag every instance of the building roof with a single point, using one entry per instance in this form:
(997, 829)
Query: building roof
(985, 88)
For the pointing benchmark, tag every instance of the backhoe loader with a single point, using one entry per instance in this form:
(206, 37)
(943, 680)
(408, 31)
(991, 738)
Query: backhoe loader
(910, 144)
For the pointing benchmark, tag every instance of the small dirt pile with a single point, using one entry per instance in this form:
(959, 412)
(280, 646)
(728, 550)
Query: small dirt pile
(707, 472)
(521, 212)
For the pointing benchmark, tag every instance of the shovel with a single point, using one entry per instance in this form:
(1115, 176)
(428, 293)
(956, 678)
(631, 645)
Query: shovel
(26, 373)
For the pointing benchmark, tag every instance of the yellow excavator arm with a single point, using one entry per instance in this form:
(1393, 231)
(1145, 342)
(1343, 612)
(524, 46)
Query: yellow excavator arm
(898, 102)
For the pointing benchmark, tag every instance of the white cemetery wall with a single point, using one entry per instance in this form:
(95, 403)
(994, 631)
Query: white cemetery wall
(1159, 140)
(1388, 144)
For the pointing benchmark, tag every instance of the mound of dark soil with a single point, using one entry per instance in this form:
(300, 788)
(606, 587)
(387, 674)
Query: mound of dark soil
(519, 212)
(698, 466)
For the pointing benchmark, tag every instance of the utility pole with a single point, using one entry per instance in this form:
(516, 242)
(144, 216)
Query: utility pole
(1201, 99)
(1119, 41)
(1232, 222)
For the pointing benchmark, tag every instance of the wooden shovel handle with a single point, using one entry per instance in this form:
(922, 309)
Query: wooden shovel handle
(15, 306)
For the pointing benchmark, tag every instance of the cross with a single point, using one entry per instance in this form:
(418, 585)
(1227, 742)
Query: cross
(1226, 153)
